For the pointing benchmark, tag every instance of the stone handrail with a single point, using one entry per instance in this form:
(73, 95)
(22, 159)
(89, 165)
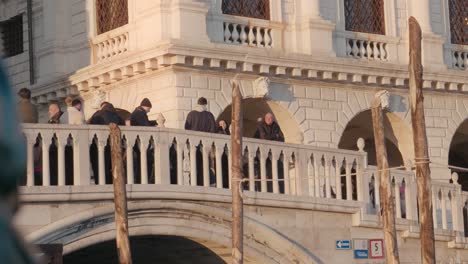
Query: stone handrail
(110, 44)
(178, 156)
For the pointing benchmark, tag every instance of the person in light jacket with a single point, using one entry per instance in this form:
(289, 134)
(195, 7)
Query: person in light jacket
(74, 115)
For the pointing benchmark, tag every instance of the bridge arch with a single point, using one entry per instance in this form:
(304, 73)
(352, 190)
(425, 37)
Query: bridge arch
(197, 222)
(398, 137)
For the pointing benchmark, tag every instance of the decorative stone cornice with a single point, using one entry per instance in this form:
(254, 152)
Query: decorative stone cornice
(334, 70)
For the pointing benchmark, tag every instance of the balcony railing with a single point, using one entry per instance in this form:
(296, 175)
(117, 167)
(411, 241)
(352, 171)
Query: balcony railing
(459, 57)
(110, 44)
(244, 31)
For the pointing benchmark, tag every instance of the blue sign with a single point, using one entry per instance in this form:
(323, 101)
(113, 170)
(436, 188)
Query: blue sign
(343, 244)
(361, 253)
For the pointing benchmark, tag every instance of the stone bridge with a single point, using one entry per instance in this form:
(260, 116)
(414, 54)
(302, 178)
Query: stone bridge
(298, 201)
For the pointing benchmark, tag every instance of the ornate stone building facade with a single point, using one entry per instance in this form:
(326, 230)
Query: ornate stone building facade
(315, 64)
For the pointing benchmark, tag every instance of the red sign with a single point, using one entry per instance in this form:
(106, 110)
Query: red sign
(376, 249)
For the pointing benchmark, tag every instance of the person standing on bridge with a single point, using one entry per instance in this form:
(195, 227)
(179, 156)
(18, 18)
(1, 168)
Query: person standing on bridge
(27, 111)
(139, 116)
(200, 119)
(269, 129)
(74, 115)
(54, 113)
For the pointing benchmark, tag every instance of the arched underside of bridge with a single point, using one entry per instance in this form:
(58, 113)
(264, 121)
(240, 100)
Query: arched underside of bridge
(201, 223)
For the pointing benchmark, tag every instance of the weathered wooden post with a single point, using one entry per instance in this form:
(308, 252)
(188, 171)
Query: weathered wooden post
(387, 199)
(421, 153)
(120, 197)
(237, 206)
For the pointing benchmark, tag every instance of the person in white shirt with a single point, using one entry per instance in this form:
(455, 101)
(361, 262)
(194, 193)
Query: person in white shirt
(74, 115)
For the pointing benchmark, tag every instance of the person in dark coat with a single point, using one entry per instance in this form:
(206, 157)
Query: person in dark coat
(106, 115)
(269, 129)
(54, 113)
(139, 117)
(27, 111)
(223, 128)
(200, 119)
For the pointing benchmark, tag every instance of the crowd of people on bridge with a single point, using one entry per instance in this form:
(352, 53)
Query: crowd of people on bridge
(199, 119)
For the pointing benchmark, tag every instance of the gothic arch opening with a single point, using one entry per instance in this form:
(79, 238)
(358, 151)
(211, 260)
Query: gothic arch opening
(154, 249)
(255, 108)
(458, 153)
(397, 137)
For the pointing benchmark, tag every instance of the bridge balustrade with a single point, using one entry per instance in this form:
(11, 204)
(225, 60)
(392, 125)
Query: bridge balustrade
(63, 155)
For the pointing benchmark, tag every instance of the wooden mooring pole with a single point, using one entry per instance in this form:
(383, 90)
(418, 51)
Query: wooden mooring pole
(120, 197)
(421, 153)
(237, 206)
(387, 198)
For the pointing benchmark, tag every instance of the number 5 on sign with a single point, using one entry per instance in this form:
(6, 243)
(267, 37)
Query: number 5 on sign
(376, 248)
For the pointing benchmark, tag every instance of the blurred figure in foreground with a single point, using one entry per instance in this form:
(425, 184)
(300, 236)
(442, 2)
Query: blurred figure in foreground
(13, 164)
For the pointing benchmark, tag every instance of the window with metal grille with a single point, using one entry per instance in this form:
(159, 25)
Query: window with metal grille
(11, 32)
(111, 14)
(247, 8)
(459, 21)
(366, 16)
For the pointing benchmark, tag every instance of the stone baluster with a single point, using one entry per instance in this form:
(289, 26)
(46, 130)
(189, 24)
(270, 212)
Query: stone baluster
(274, 169)
(81, 158)
(317, 164)
(369, 51)
(362, 49)
(263, 175)
(362, 187)
(310, 176)
(287, 181)
(377, 189)
(180, 162)
(227, 33)
(259, 37)
(349, 187)
(161, 159)
(206, 164)
(229, 167)
(338, 164)
(327, 164)
(408, 200)
(129, 150)
(243, 35)
(384, 52)
(219, 164)
(396, 187)
(102, 142)
(61, 143)
(355, 48)
(443, 208)
(251, 36)
(267, 39)
(143, 160)
(46, 137)
(251, 169)
(30, 141)
(235, 33)
(349, 48)
(193, 163)
(434, 207)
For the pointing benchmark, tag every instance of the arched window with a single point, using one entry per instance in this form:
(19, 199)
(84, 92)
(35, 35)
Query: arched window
(111, 14)
(366, 16)
(247, 8)
(459, 21)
